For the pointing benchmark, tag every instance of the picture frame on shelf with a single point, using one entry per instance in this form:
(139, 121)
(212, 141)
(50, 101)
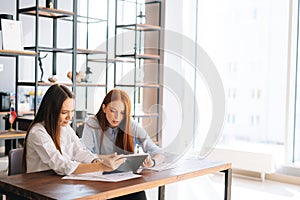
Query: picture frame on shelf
(12, 35)
(3, 16)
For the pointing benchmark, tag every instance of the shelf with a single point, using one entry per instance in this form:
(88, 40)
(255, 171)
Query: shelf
(50, 49)
(83, 84)
(118, 60)
(140, 27)
(123, 60)
(66, 50)
(46, 12)
(27, 117)
(141, 56)
(103, 60)
(141, 85)
(145, 115)
(90, 85)
(26, 113)
(17, 53)
(148, 85)
(145, 2)
(89, 20)
(26, 84)
(87, 51)
(148, 56)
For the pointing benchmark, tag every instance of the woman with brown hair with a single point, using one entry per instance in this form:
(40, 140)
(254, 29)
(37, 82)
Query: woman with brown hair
(51, 143)
(112, 130)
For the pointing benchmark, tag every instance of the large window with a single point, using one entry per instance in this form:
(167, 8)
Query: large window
(253, 47)
(249, 43)
(295, 145)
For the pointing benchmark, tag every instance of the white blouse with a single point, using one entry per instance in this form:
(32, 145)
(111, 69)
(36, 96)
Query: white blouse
(43, 155)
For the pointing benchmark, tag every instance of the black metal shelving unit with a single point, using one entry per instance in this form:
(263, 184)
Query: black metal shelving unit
(16, 54)
(40, 12)
(96, 58)
(145, 52)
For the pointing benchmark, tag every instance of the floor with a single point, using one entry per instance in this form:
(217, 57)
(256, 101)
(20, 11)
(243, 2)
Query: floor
(249, 189)
(243, 188)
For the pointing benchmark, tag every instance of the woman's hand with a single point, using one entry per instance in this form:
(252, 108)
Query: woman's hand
(148, 162)
(108, 156)
(111, 162)
(103, 163)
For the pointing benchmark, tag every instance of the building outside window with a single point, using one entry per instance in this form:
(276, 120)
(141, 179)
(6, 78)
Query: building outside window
(248, 42)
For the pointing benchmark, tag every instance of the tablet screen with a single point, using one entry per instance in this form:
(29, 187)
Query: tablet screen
(133, 162)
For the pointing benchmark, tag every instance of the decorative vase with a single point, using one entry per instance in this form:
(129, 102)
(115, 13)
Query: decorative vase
(49, 3)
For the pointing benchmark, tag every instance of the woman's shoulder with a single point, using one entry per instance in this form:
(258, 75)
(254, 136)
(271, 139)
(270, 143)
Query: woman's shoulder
(67, 131)
(37, 126)
(37, 131)
(134, 123)
(137, 129)
(93, 122)
(136, 126)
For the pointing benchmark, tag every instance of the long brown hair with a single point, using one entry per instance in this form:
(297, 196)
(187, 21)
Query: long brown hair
(124, 138)
(48, 113)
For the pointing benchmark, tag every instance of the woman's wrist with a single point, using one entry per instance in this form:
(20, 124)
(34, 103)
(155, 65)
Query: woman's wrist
(96, 160)
(154, 162)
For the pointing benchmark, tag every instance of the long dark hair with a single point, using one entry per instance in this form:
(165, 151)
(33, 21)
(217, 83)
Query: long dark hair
(49, 112)
(124, 138)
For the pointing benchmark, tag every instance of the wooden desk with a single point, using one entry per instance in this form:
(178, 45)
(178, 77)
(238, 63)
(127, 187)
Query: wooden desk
(8, 135)
(48, 185)
(11, 135)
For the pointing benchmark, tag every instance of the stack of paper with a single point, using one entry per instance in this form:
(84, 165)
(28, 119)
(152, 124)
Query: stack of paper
(98, 176)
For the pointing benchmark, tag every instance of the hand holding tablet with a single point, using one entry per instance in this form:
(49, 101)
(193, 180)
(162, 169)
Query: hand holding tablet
(132, 163)
(111, 161)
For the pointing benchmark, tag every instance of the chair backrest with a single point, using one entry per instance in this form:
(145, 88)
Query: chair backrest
(15, 161)
(79, 130)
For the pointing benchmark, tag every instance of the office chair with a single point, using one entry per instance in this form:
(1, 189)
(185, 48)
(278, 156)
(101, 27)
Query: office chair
(15, 166)
(79, 130)
(15, 161)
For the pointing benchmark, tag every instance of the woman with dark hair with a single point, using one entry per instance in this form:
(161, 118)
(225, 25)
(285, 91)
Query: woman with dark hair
(51, 143)
(112, 130)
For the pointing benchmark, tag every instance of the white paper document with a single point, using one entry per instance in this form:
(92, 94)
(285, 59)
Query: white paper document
(162, 167)
(98, 176)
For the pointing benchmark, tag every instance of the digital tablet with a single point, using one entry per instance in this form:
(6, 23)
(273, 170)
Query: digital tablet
(132, 163)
